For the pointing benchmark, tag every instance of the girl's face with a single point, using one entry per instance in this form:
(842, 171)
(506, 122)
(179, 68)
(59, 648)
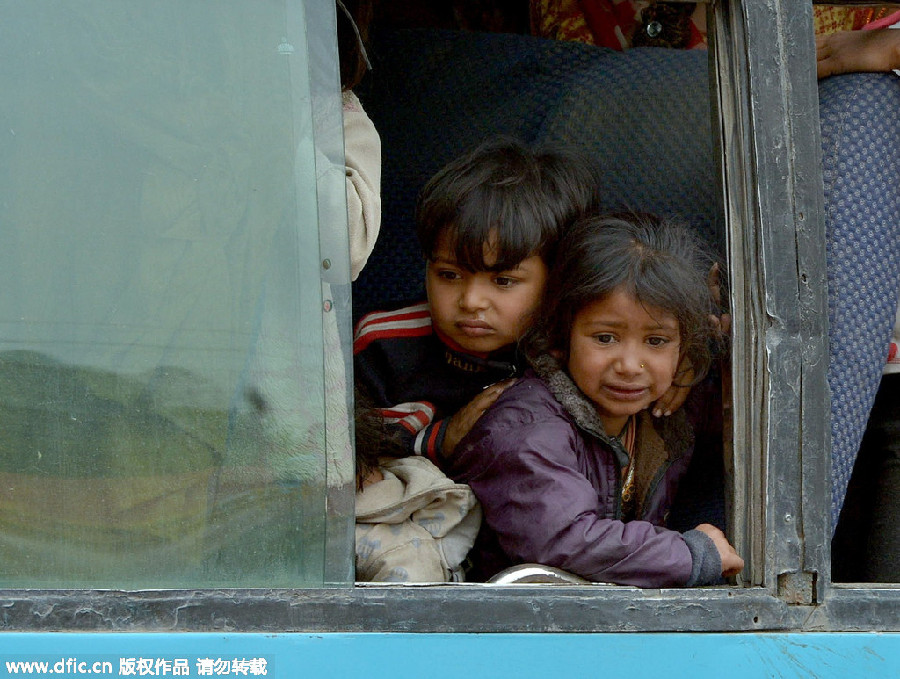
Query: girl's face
(623, 356)
(482, 311)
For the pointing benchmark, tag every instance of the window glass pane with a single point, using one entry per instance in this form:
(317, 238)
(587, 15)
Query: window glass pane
(163, 417)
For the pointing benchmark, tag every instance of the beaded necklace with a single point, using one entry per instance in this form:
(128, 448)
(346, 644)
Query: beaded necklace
(628, 438)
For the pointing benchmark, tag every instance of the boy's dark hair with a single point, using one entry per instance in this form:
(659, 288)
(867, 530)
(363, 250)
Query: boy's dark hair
(527, 197)
(661, 263)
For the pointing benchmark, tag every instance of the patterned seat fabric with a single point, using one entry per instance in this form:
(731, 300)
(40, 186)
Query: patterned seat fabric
(435, 94)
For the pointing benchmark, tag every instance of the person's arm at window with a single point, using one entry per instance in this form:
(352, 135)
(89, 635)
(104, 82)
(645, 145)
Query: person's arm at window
(877, 50)
(545, 510)
(362, 153)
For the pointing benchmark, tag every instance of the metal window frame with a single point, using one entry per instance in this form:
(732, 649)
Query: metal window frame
(763, 62)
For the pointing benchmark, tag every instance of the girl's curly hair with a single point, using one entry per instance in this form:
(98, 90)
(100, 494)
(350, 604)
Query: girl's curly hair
(661, 263)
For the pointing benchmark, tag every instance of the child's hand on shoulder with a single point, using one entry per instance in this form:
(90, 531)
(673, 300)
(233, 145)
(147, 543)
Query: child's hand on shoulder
(465, 418)
(676, 395)
(721, 323)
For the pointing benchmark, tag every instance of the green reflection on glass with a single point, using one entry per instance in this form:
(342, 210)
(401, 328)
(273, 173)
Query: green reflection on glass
(162, 388)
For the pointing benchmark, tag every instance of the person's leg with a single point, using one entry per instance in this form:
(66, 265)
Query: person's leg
(866, 545)
(882, 549)
(860, 119)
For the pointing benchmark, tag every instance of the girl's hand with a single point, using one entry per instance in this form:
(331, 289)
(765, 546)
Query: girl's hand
(732, 564)
(465, 418)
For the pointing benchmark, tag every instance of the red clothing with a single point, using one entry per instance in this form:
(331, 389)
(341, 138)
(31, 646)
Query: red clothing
(416, 378)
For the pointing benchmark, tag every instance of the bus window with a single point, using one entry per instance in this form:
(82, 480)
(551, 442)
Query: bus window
(643, 116)
(174, 314)
(173, 406)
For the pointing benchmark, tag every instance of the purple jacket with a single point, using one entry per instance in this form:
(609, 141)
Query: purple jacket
(548, 479)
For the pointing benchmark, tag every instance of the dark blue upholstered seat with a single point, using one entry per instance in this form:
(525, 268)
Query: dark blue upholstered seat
(645, 116)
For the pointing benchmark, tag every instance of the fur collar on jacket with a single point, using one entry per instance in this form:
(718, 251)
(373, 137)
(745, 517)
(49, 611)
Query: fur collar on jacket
(659, 440)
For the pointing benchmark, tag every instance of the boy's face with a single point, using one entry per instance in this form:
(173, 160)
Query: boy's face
(482, 311)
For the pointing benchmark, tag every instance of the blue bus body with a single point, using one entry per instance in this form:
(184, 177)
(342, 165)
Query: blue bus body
(402, 656)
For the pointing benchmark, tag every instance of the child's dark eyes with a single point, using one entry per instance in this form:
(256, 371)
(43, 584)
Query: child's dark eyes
(609, 338)
(504, 281)
(448, 275)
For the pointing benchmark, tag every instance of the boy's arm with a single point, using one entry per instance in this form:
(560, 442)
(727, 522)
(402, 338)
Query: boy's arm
(410, 426)
(414, 427)
(385, 345)
(380, 339)
(464, 419)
